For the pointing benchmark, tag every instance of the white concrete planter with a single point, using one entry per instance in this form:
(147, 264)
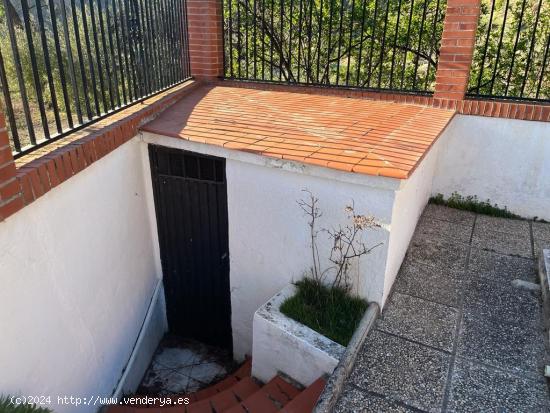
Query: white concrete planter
(281, 344)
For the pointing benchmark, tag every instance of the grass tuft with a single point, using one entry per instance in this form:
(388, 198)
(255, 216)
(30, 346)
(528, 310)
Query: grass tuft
(332, 312)
(6, 406)
(473, 204)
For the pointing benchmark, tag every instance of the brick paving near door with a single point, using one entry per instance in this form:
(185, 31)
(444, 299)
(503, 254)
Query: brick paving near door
(459, 333)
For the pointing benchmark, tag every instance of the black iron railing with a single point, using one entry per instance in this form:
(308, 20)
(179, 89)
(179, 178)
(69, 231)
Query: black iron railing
(376, 44)
(67, 63)
(511, 57)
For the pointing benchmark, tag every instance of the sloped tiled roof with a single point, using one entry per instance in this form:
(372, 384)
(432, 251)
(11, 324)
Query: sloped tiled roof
(353, 135)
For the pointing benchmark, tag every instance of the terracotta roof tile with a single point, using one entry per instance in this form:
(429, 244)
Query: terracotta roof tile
(353, 135)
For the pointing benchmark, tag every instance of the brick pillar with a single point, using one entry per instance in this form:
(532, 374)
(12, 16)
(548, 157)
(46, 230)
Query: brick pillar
(457, 48)
(10, 191)
(205, 38)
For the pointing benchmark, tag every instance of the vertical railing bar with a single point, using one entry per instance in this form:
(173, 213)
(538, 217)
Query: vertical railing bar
(361, 40)
(158, 42)
(47, 65)
(34, 66)
(394, 49)
(127, 64)
(230, 35)
(383, 46)
(175, 24)
(186, 38)
(175, 56)
(350, 40)
(484, 55)
(9, 105)
(182, 53)
(57, 43)
(497, 58)
(407, 45)
(319, 37)
(112, 48)
(239, 40)
(130, 6)
(110, 78)
(246, 40)
(119, 51)
(299, 41)
(263, 39)
(71, 62)
(81, 61)
(290, 74)
(309, 66)
(255, 54)
(543, 67)
(272, 36)
(339, 56)
(90, 56)
(515, 48)
(153, 50)
(281, 40)
(373, 35)
(166, 23)
(174, 41)
(417, 60)
(329, 42)
(164, 44)
(143, 49)
(528, 63)
(98, 57)
(434, 29)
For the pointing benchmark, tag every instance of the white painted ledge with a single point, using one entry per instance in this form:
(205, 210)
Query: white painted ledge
(281, 344)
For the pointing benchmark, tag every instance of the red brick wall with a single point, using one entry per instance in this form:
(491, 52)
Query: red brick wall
(457, 48)
(10, 194)
(205, 38)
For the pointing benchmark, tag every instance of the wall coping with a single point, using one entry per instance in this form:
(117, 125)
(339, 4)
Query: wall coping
(496, 108)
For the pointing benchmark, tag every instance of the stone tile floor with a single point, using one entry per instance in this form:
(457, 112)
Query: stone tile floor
(457, 335)
(182, 366)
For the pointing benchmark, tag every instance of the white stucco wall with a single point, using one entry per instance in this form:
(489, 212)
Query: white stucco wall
(410, 200)
(269, 236)
(78, 270)
(503, 160)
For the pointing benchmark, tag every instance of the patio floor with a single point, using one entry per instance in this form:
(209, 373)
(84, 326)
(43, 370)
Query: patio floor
(183, 366)
(352, 135)
(458, 334)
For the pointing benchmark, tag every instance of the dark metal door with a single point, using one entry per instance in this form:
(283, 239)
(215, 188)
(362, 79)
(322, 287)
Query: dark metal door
(191, 207)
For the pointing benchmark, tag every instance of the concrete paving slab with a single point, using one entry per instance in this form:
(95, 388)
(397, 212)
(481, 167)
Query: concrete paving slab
(541, 230)
(513, 347)
(479, 388)
(439, 254)
(499, 267)
(517, 227)
(420, 320)
(449, 214)
(502, 242)
(437, 230)
(503, 302)
(404, 371)
(431, 283)
(355, 401)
